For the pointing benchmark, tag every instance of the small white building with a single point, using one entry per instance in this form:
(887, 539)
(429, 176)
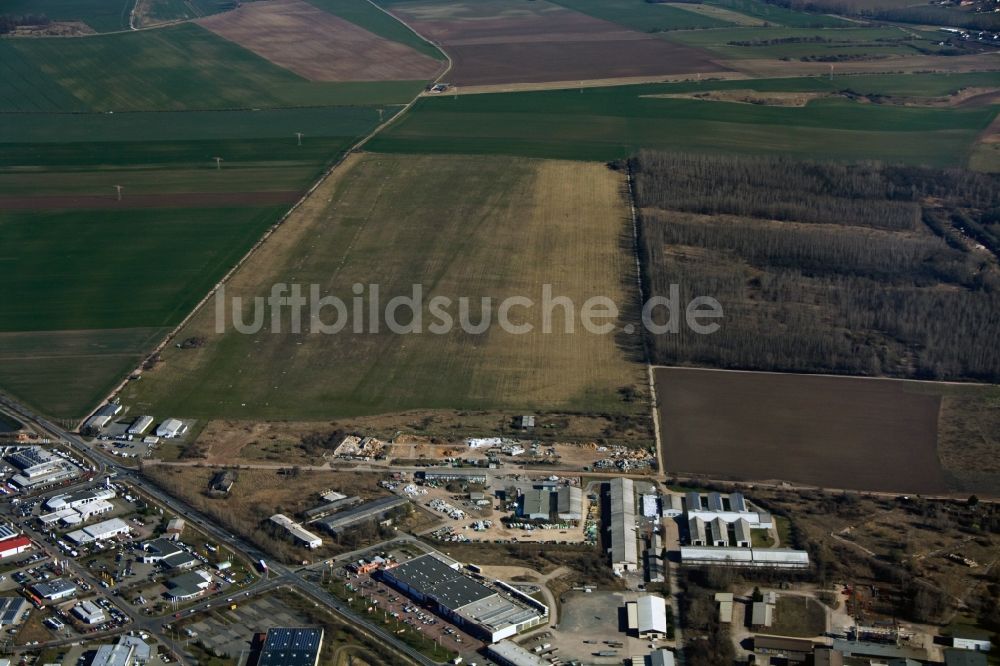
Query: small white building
(652, 616)
(171, 428)
(89, 612)
(140, 425)
(971, 640)
(105, 530)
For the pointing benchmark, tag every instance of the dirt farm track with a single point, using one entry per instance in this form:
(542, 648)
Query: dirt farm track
(834, 432)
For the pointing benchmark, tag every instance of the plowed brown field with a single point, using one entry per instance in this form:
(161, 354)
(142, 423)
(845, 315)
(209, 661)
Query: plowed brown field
(492, 42)
(317, 45)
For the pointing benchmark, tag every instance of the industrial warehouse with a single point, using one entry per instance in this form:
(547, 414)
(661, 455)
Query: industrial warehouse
(720, 533)
(491, 613)
(624, 551)
(373, 510)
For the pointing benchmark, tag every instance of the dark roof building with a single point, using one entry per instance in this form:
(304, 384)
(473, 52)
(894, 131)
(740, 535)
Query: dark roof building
(286, 646)
(375, 509)
(960, 657)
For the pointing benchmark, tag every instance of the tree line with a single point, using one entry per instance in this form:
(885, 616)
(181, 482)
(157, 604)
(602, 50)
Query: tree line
(850, 297)
(9, 23)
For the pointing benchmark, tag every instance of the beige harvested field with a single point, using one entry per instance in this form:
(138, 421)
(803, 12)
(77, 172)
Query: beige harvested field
(460, 227)
(719, 13)
(319, 46)
(492, 42)
(748, 97)
(590, 83)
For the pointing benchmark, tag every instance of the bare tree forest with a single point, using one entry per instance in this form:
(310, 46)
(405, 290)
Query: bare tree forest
(850, 269)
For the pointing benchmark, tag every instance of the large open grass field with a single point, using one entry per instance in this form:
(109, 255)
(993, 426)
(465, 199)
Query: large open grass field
(174, 68)
(835, 432)
(459, 226)
(610, 123)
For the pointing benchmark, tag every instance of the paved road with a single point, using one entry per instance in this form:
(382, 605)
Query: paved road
(278, 573)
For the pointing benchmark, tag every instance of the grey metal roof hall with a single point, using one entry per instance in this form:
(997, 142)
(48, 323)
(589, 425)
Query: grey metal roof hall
(432, 577)
(291, 647)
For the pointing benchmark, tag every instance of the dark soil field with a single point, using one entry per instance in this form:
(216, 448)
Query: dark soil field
(834, 432)
(492, 42)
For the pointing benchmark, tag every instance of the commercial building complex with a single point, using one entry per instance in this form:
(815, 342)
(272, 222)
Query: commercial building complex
(104, 530)
(489, 612)
(38, 467)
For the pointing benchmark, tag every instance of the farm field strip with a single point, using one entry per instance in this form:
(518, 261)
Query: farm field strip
(492, 42)
(474, 227)
(373, 19)
(610, 123)
(182, 67)
(319, 46)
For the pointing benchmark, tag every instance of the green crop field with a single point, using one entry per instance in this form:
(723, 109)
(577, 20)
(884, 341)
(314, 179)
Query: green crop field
(138, 270)
(474, 227)
(142, 268)
(177, 67)
(372, 19)
(643, 16)
(67, 372)
(610, 123)
(101, 15)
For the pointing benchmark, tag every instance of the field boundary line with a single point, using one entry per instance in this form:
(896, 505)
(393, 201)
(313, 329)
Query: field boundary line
(650, 375)
(270, 230)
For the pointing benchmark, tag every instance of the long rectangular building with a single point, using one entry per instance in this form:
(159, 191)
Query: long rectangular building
(445, 474)
(777, 558)
(299, 533)
(624, 550)
(373, 510)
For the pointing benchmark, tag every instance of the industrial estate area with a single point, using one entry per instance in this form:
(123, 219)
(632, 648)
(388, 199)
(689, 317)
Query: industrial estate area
(492, 554)
(500, 332)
